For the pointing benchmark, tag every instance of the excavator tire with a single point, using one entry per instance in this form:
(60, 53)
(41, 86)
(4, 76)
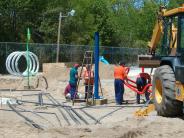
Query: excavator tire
(164, 92)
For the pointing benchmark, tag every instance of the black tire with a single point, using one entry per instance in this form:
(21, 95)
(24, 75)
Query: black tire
(164, 92)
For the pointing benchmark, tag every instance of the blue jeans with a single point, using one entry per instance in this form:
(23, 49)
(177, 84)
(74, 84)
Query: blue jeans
(119, 90)
(141, 82)
(73, 90)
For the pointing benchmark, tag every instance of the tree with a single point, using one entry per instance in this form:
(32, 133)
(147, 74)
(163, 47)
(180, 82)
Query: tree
(124, 23)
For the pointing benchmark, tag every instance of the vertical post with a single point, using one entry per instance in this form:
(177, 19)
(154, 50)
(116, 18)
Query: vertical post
(28, 61)
(142, 69)
(40, 99)
(58, 39)
(96, 94)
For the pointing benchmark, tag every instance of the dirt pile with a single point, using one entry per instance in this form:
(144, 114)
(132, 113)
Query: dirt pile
(10, 82)
(59, 71)
(106, 71)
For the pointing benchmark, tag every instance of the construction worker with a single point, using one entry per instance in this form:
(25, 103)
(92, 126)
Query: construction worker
(119, 75)
(88, 76)
(68, 95)
(67, 92)
(73, 80)
(142, 80)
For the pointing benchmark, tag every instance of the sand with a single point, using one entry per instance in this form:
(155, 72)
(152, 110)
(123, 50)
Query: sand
(120, 124)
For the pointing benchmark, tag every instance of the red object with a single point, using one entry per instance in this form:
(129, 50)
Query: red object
(144, 75)
(76, 65)
(127, 69)
(67, 89)
(134, 88)
(132, 84)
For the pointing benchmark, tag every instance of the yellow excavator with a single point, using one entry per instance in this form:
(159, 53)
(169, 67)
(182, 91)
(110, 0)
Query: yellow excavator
(168, 59)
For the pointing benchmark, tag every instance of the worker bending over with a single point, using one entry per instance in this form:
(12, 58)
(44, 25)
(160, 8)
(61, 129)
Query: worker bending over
(67, 92)
(119, 75)
(68, 95)
(142, 80)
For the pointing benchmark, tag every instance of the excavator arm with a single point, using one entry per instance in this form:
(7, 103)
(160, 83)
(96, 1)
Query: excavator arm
(167, 100)
(150, 60)
(157, 31)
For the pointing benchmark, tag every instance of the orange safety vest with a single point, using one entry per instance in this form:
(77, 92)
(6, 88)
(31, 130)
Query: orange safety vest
(119, 72)
(88, 77)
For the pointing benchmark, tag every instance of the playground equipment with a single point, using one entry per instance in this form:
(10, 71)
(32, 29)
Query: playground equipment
(16, 60)
(12, 63)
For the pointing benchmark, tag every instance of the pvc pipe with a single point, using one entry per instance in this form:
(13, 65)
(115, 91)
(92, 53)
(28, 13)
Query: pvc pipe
(12, 63)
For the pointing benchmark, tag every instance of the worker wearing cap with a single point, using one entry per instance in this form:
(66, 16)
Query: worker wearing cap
(141, 81)
(119, 75)
(73, 80)
(88, 76)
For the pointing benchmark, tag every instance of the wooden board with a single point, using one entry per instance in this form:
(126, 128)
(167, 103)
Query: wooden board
(97, 102)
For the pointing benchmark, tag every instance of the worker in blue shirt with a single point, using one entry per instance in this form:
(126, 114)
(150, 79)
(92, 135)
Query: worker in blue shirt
(73, 80)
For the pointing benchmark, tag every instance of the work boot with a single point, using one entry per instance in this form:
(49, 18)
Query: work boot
(125, 101)
(118, 103)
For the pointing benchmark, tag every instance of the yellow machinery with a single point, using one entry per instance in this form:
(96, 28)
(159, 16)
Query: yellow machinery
(168, 78)
(144, 111)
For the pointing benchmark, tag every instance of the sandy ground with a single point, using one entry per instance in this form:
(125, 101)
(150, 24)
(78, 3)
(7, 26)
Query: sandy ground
(121, 123)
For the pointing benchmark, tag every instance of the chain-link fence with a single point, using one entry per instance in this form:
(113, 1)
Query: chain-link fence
(68, 53)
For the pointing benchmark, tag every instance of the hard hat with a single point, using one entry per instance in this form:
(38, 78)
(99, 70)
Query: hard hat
(76, 65)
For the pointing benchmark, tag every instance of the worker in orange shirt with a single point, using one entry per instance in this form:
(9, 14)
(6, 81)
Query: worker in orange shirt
(119, 75)
(88, 76)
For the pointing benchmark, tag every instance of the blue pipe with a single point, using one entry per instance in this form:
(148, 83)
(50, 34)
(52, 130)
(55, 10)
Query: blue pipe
(96, 93)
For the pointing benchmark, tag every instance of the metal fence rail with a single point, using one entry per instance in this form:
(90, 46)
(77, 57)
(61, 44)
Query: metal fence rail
(68, 53)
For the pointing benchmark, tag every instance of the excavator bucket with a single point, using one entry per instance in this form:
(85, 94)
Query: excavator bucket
(148, 61)
(145, 111)
(147, 108)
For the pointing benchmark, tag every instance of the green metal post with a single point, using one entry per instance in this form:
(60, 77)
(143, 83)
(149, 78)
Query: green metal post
(27, 58)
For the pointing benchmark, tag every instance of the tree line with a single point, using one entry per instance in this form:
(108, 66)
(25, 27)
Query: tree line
(121, 23)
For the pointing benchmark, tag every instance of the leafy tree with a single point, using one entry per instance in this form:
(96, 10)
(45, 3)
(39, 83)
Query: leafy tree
(123, 23)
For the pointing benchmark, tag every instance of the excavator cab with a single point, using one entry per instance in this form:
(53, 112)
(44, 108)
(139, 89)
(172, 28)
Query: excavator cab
(168, 78)
(180, 49)
(173, 36)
